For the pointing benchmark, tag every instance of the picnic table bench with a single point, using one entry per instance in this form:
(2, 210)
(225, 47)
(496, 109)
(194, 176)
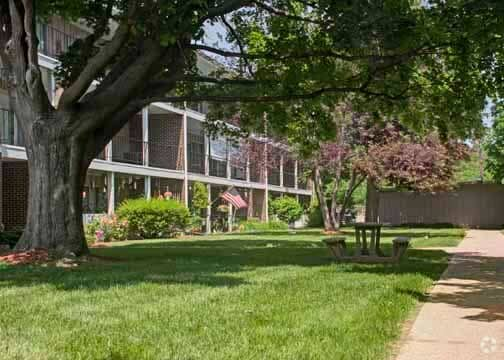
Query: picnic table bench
(363, 252)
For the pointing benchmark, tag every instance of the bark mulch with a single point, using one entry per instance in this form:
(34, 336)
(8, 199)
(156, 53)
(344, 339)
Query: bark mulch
(38, 256)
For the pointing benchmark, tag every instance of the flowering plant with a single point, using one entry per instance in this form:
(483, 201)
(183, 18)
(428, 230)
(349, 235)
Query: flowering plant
(108, 228)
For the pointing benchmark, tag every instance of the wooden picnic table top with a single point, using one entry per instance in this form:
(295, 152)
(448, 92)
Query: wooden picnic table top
(368, 225)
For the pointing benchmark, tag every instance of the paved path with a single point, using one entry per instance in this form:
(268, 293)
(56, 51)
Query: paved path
(464, 316)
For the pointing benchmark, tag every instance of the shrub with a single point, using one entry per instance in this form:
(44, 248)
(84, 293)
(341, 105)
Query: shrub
(315, 219)
(154, 218)
(107, 228)
(287, 209)
(200, 197)
(257, 225)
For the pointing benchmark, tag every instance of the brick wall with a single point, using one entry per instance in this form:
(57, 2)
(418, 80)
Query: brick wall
(166, 141)
(14, 194)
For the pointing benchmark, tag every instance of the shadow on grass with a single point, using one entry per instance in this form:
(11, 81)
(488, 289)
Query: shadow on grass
(215, 263)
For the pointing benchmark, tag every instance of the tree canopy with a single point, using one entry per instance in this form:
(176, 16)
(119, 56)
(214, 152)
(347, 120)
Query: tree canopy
(429, 64)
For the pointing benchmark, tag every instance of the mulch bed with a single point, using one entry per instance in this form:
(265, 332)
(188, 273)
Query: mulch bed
(38, 256)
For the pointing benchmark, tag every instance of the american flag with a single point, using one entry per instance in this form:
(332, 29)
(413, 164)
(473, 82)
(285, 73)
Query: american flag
(233, 197)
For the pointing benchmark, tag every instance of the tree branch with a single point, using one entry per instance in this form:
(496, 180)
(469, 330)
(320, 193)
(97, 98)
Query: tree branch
(310, 54)
(98, 63)
(266, 99)
(239, 43)
(285, 14)
(225, 8)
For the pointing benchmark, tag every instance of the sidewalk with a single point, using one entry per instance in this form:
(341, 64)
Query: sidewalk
(464, 316)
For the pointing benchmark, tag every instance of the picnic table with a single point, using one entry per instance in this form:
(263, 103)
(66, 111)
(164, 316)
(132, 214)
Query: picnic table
(363, 252)
(361, 242)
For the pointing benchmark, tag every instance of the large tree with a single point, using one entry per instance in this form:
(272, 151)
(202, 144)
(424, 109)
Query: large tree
(142, 51)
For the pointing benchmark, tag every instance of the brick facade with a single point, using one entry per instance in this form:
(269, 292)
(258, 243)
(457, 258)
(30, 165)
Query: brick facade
(14, 194)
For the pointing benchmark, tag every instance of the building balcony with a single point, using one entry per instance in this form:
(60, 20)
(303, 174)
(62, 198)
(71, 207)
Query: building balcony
(218, 167)
(289, 179)
(9, 132)
(128, 150)
(274, 177)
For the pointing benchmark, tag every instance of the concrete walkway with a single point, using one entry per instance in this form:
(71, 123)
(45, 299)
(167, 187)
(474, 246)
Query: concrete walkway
(464, 316)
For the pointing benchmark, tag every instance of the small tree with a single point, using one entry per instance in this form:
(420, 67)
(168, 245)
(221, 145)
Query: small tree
(200, 198)
(287, 209)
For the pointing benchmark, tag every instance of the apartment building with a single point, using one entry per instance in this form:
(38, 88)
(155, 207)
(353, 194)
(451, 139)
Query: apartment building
(162, 149)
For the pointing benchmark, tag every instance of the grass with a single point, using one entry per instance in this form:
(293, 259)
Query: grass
(250, 296)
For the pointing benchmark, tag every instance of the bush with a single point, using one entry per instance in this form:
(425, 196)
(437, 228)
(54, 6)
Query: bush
(287, 209)
(107, 228)
(315, 219)
(9, 238)
(155, 218)
(257, 225)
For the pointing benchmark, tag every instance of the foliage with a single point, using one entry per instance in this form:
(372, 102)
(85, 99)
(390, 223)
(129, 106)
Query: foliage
(429, 66)
(107, 228)
(9, 238)
(154, 218)
(200, 197)
(287, 209)
(422, 164)
(494, 147)
(258, 225)
(315, 217)
(469, 170)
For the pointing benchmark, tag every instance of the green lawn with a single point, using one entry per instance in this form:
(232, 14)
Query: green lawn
(263, 296)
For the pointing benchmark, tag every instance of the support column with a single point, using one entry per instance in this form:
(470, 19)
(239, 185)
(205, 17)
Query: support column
(207, 155)
(230, 218)
(250, 210)
(295, 174)
(186, 181)
(111, 192)
(209, 210)
(228, 160)
(247, 170)
(148, 187)
(145, 135)
(281, 170)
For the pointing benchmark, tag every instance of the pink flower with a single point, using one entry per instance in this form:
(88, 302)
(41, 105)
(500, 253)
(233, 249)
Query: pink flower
(100, 235)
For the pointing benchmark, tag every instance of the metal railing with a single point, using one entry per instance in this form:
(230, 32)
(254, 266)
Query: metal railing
(128, 150)
(289, 179)
(218, 168)
(274, 177)
(238, 172)
(53, 42)
(9, 132)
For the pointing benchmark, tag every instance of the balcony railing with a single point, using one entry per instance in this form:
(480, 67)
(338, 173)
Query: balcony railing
(289, 179)
(238, 172)
(53, 42)
(128, 150)
(274, 177)
(9, 134)
(218, 168)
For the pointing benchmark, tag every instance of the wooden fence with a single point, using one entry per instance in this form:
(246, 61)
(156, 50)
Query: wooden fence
(470, 205)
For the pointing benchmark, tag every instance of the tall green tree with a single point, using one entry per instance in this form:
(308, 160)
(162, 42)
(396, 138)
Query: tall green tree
(285, 50)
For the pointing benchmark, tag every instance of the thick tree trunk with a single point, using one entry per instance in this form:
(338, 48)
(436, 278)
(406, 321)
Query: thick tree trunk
(57, 170)
(326, 216)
